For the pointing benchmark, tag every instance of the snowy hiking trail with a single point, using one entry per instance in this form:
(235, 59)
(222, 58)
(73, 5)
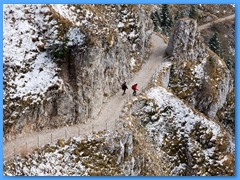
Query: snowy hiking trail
(109, 113)
(106, 118)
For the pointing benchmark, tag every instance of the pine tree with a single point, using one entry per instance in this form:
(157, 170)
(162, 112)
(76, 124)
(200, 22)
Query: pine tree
(214, 44)
(166, 19)
(229, 62)
(179, 15)
(193, 12)
(156, 20)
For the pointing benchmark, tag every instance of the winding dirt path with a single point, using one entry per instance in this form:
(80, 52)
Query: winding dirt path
(107, 117)
(110, 112)
(205, 26)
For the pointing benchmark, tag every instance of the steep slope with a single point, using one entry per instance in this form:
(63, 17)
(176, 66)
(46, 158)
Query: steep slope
(208, 25)
(62, 62)
(198, 75)
(211, 18)
(191, 143)
(162, 131)
(105, 119)
(160, 135)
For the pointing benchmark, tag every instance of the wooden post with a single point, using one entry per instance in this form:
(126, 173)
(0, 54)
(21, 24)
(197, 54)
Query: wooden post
(51, 138)
(38, 141)
(65, 133)
(130, 112)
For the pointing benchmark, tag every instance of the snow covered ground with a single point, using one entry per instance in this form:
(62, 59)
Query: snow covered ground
(24, 32)
(175, 126)
(180, 112)
(32, 71)
(186, 137)
(32, 36)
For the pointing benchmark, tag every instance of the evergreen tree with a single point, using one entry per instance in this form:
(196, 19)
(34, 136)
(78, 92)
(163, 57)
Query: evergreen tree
(166, 19)
(229, 62)
(214, 44)
(179, 15)
(156, 20)
(193, 12)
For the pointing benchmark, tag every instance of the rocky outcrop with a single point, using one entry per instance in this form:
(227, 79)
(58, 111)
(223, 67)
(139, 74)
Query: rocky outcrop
(190, 143)
(198, 76)
(185, 42)
(103, 154)
(91, 62)
(157, 135)
(162, 75)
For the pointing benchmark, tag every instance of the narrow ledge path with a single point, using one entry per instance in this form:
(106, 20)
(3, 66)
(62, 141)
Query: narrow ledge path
(110, 110)
(105, 120)
(205, 26)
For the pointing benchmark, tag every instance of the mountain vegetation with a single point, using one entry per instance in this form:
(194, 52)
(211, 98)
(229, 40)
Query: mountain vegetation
(64, 64)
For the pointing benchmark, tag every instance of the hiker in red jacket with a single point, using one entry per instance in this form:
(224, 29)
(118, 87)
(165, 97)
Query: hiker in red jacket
(134, 88)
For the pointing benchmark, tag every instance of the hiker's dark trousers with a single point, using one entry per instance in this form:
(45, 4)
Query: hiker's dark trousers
(134, 92)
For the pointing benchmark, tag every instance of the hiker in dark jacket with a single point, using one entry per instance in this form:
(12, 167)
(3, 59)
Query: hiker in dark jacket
(124, 88)
(134, 88)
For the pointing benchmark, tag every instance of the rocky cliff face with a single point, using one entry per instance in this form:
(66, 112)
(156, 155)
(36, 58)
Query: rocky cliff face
(160, 132)
(198, 76)
(121, 153)
(157, 134)
(76, 57)
(185, 42)
(189, 142)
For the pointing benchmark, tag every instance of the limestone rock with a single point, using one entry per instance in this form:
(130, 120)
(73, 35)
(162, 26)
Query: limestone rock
(185, 42)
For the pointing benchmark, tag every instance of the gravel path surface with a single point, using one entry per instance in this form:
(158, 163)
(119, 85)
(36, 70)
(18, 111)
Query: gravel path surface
(205, 26)
(111, 109)
(107, 117)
